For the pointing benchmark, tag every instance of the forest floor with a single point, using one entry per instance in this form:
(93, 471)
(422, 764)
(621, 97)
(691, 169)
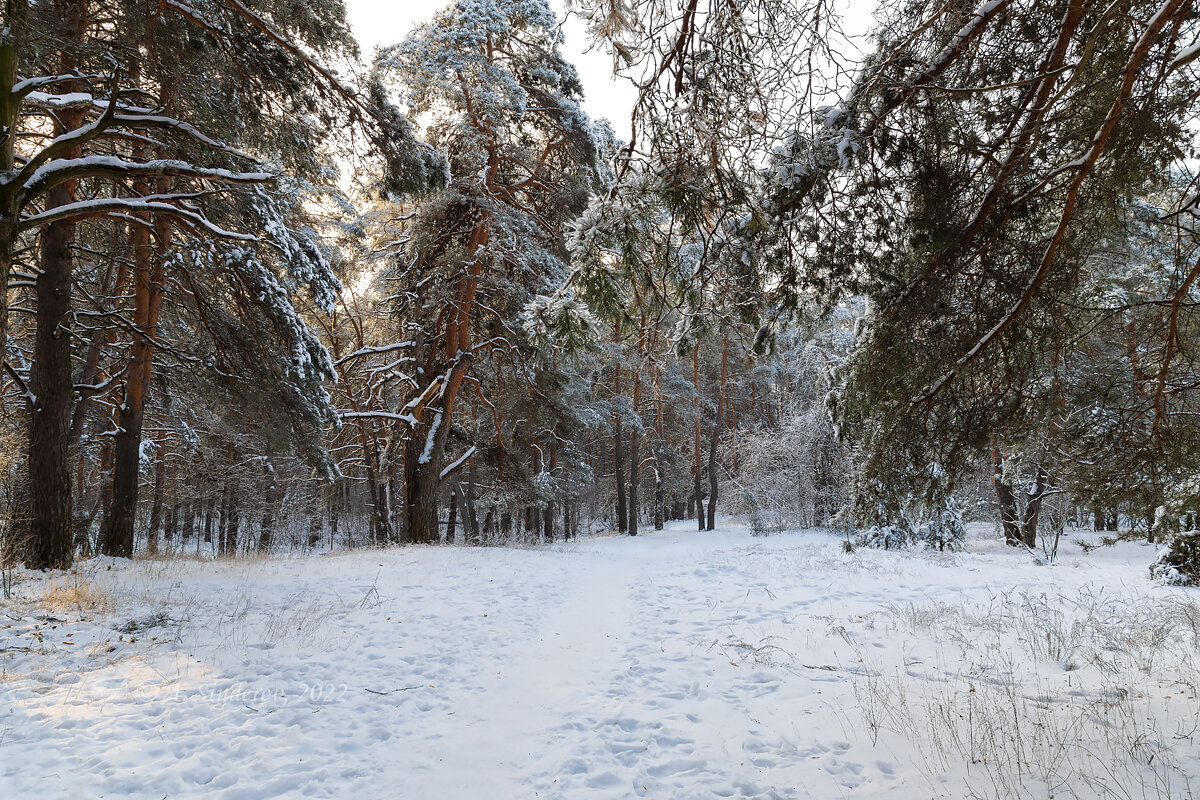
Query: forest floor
(674, 665)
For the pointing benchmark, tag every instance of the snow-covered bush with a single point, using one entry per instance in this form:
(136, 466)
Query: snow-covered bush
(945, 529)
(1179, 562)
(935, 521)
(893, 536)
(755, 516)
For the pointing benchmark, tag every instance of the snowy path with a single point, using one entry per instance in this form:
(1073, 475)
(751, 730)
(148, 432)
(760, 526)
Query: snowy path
(674, 665)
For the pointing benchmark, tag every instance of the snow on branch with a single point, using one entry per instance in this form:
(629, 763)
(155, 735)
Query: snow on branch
(370, 351)
(85, 209)
(60, 170)
(458, 462)
(409, 418)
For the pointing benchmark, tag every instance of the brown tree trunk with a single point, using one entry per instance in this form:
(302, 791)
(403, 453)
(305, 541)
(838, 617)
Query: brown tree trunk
(1033, 509)
(210, 510)
(116, 535)
(156, 509)
(223, 548)
(50, 382)
(659, 497)
(697, 491)
(1007, 501)
(635, 455)
(171, 522)
(470, 520)
(712, 475)
(452, 516)
(716, 434)
(49, 472)
(424, 449)
(659, 492)
(16, 17)
(270, 507)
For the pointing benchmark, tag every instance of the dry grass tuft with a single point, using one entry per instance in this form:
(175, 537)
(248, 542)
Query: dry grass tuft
(73, 592)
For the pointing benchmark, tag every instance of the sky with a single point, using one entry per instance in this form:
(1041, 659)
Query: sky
(378, 23)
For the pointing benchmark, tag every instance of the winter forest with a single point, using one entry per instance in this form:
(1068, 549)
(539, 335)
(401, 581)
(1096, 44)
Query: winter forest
(336, 381)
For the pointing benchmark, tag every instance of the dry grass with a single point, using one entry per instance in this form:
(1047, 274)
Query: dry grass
(1084, 695)
(73, 592)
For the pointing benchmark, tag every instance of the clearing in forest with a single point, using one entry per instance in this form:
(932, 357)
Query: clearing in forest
(672, 665)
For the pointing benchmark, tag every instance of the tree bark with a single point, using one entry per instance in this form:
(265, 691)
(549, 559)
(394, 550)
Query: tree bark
(270, 507)
(156, 509)
(210, 507)
(451, 517)
(634, 475)
(189, 521)
(50, 383)
(659, 496)
(49, 473)
(235, 523)
(16, 18)
(712, 474)
(618, 448)
(117, 530)
(1007, 501)
(716, 434)
(470, 519)
(171, 522)
(697, 491)
(1033, 508)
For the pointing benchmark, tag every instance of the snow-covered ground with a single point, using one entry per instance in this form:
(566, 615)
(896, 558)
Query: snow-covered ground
(672, 665)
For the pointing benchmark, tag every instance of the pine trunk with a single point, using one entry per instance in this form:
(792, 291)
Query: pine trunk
(16, 17)
(1033, 509)
(697, 491)
(716, 434)
(1007, 501)
(619, 460)
(49, 472)
(712, 474)
(117, 529)
(156, 509)
(634, 455)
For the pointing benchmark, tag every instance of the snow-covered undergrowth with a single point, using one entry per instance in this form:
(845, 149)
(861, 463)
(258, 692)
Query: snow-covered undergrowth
(674, 665)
